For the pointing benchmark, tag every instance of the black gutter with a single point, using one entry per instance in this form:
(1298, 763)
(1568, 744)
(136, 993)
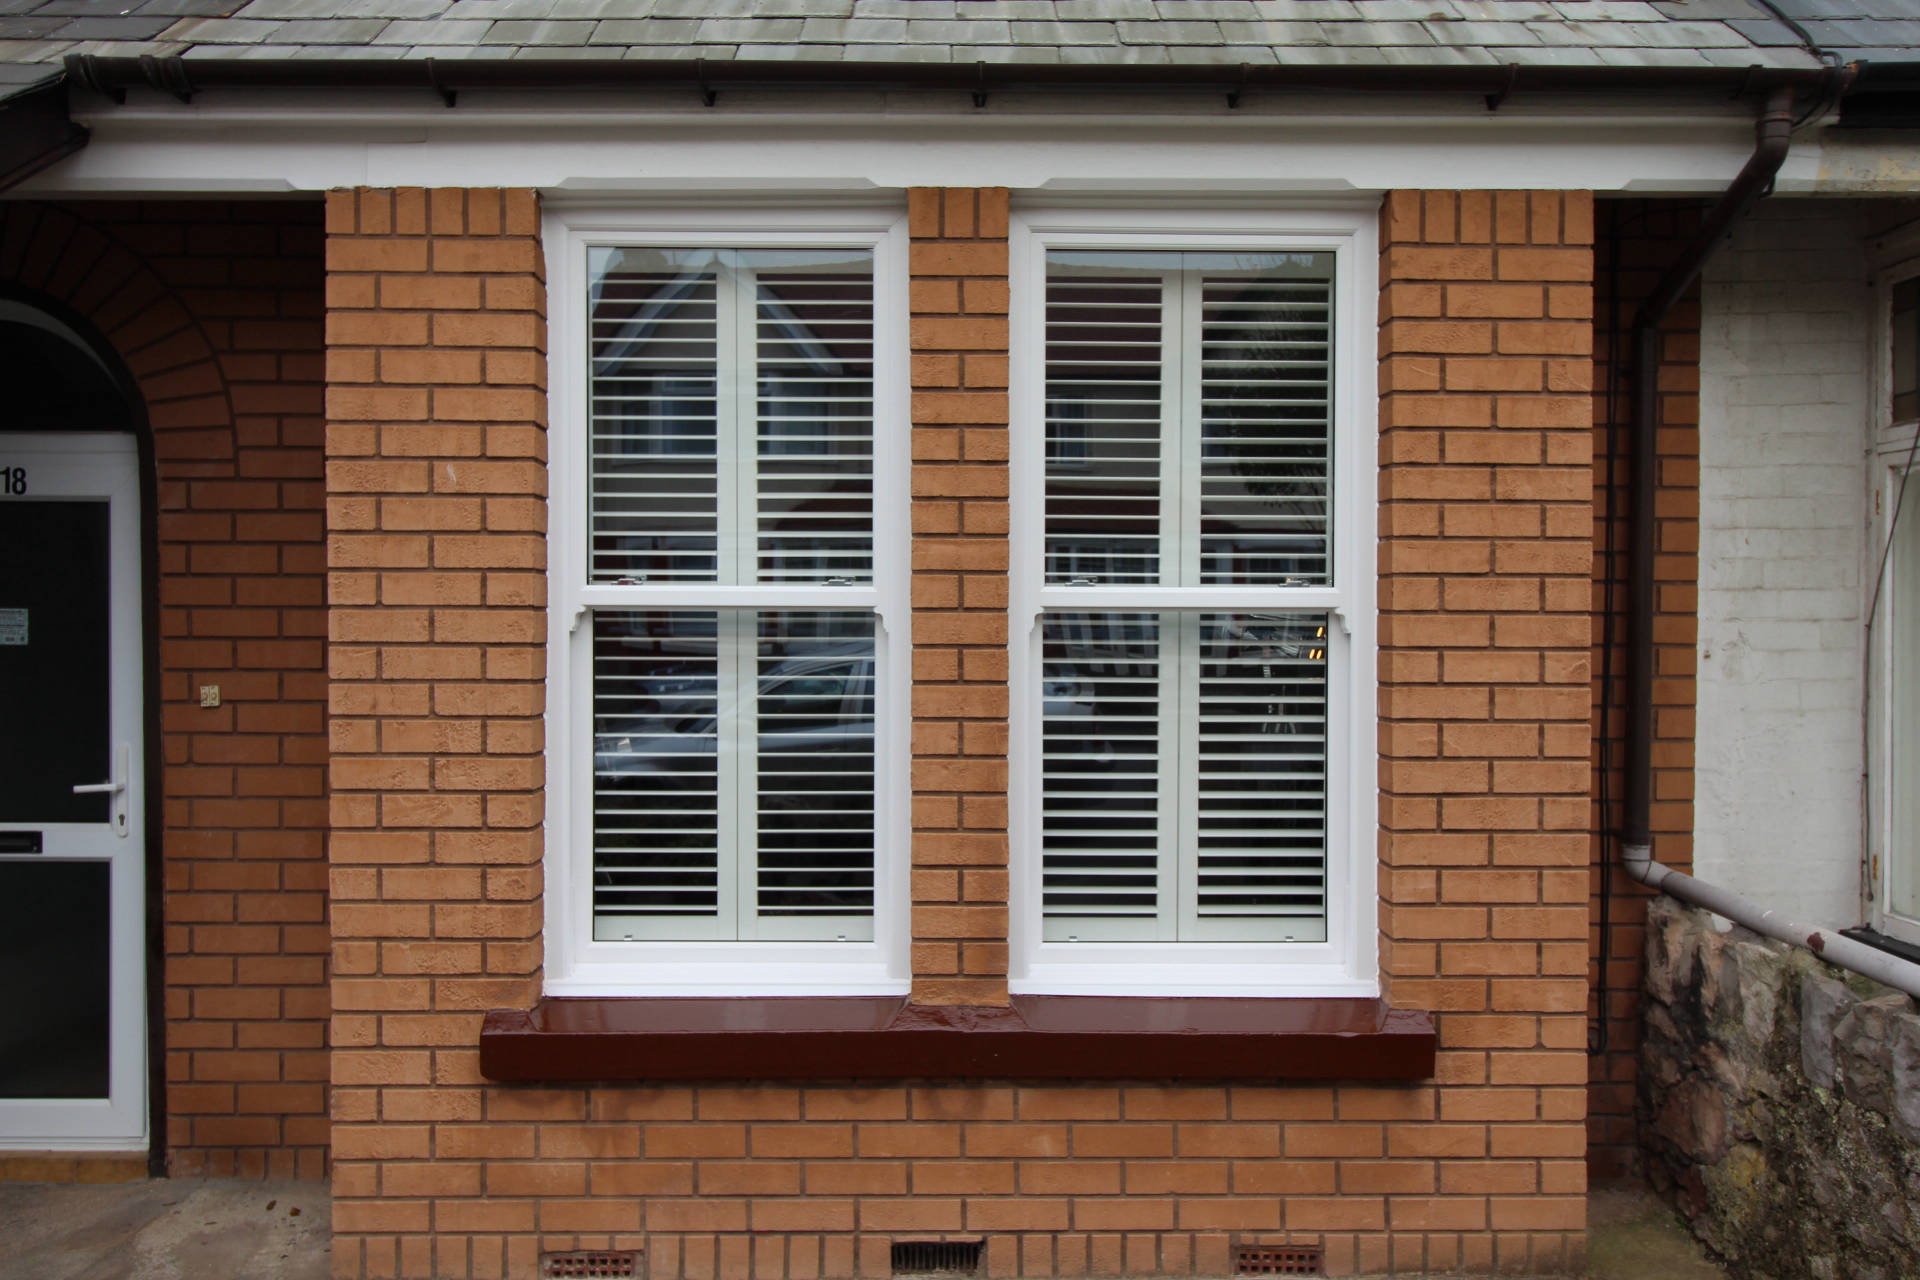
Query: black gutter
(446, 78)
(35, 131)
(1773, 135)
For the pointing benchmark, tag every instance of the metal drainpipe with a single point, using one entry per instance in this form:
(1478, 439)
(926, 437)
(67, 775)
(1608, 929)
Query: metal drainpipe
(1774, 135)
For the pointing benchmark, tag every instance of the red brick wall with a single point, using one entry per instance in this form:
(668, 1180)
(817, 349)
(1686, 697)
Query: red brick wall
(1647, 235)
(215, 308)
(435, 510)
(1485, 523)
(959, 342)
(436, 550)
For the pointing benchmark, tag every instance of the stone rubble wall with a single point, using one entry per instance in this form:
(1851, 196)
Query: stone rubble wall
(1779, 1104)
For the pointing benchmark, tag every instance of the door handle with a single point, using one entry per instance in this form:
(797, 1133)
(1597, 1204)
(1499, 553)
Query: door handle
(117, 788)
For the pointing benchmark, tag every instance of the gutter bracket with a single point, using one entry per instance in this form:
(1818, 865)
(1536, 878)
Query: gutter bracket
(1501, 94)
(169, 75)
(708, 94)
(448, 96)
(85, 67)
(1233, 94)
(980, 84)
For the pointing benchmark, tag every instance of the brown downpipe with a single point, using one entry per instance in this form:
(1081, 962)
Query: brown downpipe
(1774, 132)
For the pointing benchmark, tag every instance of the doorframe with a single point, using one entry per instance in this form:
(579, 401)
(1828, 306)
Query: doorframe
(81, 329)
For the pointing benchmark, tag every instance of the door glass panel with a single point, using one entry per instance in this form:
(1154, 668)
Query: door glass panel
(54, 949)
(1903, 843)
(53, 660)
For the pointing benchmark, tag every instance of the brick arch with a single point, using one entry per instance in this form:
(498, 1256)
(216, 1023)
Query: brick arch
(213, 309)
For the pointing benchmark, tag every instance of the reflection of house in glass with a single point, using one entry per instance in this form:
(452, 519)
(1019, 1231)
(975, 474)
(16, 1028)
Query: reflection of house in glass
(1231, 353)
(727, 376)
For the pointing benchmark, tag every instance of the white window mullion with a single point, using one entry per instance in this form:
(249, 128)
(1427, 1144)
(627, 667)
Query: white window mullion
(733, 413)
(1179, 732)
(734, 763)
(1180, 437)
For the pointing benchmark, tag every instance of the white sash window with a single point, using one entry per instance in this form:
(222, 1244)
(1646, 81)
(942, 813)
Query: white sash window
(1192, 537)
(729, 629)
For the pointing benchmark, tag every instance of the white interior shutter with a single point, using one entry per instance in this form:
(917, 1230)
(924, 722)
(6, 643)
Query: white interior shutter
(1265, 472)
(1106, 386)
(1255, 796)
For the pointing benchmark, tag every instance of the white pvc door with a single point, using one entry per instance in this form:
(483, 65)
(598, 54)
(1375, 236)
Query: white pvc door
(73, 1052)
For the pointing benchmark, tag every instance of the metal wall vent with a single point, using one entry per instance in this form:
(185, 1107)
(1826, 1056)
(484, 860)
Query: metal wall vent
(930, 1257)
(1279, 1260)
(591, 1264)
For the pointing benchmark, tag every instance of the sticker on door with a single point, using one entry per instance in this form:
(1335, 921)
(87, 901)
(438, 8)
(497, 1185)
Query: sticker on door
(13, 626)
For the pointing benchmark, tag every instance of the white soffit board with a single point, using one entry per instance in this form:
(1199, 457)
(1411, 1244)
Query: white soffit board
(230, 148)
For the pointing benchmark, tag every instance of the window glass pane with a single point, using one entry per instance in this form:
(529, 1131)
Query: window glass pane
(653, 423)
(657, 701)
(1903, 775)
(1184, 767)
(1189, 418)
(1906, 350)
(731, 415)
(733, 774)
(1105, 385)
(1101, 762)
(815, 766)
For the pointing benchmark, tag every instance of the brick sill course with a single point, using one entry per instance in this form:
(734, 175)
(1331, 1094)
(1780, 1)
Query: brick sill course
(886, 1038)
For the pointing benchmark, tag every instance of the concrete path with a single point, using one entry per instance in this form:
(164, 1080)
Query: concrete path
(191, 1230)
(180, 1229)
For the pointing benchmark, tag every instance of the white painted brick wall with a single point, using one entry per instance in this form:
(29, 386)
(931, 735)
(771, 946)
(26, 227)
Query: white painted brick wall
(1783, 428)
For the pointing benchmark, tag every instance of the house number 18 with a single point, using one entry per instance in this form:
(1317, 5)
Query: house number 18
(13, 481)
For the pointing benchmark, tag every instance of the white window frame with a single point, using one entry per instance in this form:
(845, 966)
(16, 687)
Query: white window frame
(576, 964)
(1347, 963)
(1890, 445)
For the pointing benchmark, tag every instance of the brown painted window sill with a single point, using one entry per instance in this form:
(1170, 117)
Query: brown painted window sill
(885, 1038)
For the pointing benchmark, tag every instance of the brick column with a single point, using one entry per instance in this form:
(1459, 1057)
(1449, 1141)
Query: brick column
(1486, 539)
(436, 510)
(959, 340)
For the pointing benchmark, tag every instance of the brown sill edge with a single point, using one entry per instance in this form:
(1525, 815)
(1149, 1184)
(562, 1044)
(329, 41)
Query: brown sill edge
(886, 1038)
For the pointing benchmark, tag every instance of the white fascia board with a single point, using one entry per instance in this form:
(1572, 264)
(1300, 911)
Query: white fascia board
(240, 146)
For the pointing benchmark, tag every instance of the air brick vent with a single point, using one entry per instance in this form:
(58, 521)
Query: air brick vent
(936, 1257)
(1278, 1260)
(591, 1264)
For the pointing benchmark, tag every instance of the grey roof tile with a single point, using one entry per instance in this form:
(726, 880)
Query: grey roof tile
(1764, 33)
(498, 9)
(1695, 33)
(409, 31)
(758, 30)
(222, 31)
(1063, 33)
(522, 32)
(853, 30)
(1110, 10)
(901, 53)
(905, 9)
(1169, 32)
(1005, 10)
(954, 31)
(330, 30)
(644, 31)
(1322, 56)
(1479, 35)
(29, 27)
(190, 8)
